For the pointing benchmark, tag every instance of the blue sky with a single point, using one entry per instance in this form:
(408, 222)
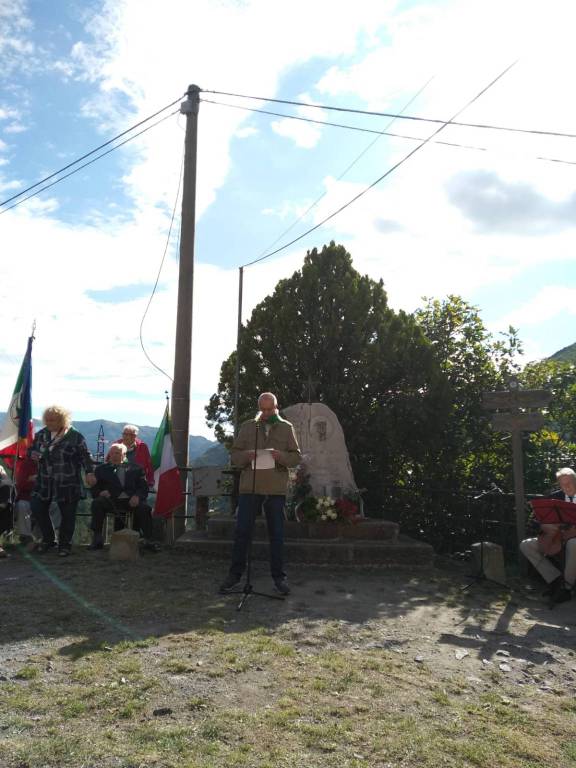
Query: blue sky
(496, 226)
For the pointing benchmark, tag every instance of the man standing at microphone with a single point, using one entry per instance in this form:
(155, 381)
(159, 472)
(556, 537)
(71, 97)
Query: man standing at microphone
(262, 486)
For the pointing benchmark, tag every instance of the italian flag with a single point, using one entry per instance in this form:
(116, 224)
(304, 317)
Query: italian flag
(17, 431)
(169, 495)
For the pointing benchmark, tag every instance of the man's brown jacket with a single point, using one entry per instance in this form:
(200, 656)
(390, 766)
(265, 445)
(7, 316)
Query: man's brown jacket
(281, 437)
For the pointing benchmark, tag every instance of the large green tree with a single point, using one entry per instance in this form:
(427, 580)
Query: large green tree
(374, 367)
(555, 445)
(474, 362)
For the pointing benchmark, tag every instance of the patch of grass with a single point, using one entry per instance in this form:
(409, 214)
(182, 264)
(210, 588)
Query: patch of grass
(441, 697)
(178, 666)
(569, 749)
(197, 704)
(27, 673)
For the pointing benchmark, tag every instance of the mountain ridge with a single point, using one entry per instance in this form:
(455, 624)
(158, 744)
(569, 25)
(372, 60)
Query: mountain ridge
(565, 355)
(197, 445)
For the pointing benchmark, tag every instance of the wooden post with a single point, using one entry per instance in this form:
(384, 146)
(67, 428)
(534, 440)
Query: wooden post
(517, 420)
(183, 351)
(519, 498)
(202, 504)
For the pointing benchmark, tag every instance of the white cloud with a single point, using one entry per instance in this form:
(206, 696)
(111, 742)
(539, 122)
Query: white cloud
(16, 128)
(7, 186)
(305, 135)
(551, 301)
(247, 132)
(16, 48)
(142, 55)
(302, 134)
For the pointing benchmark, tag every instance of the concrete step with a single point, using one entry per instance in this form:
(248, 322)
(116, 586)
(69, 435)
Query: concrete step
(370, 530)
(404, 552)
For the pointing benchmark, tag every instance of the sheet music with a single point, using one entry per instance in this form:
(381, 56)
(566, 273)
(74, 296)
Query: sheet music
(264, 459)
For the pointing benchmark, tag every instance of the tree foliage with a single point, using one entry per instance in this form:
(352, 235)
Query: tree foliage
(555, 446)
(469, 452)
(407, 390)
(331, 326)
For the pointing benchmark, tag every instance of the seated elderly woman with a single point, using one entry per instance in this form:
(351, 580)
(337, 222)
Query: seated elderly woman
(61, 453)
(558, 573)
(121, 488)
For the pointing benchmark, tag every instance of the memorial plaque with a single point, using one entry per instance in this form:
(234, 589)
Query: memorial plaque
(210, 481)
(324, 453)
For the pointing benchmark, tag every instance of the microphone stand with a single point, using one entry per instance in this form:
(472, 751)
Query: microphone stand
(480, 575)
(248, 590)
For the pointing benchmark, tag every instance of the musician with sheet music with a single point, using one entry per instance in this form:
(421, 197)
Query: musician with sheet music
(553, 551)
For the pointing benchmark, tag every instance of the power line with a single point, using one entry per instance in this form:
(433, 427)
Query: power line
(388, 172)
(348, 168)
(358, 128)
(147, 356)
(373, 130)
(88, 154)
(84, 165)
(487, 126)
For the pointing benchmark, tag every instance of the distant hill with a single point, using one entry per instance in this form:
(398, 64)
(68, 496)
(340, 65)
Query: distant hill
(215, 456)
(197, 445)
(566, 355)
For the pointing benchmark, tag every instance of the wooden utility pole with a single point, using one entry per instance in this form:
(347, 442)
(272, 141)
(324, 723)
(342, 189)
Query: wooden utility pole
(237, 368)
(183, 356)
(516, 420)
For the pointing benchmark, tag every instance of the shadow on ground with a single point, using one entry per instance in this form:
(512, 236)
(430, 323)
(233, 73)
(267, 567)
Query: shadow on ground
(93, 600)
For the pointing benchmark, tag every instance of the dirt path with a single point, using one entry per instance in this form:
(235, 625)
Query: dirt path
(425, 617)
(88, 646)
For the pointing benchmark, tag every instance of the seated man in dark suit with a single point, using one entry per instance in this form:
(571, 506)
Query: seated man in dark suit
(121, 487)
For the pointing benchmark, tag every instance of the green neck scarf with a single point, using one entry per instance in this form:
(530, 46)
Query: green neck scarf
(274, 419)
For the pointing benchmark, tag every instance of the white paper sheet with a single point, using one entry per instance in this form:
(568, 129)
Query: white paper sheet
(264, 459)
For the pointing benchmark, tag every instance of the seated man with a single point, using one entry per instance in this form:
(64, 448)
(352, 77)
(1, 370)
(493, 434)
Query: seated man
(138, 452)
(558, 572)
(120, 487)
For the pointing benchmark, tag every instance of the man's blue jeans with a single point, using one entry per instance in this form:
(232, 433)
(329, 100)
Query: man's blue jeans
(248, 506)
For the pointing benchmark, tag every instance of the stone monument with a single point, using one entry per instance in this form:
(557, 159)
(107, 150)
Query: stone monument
(324, 452)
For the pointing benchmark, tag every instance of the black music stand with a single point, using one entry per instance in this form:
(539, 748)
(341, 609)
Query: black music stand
(248, 590)
(480, 575)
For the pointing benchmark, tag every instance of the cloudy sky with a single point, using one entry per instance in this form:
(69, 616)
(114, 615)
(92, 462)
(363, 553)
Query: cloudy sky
(493, 222)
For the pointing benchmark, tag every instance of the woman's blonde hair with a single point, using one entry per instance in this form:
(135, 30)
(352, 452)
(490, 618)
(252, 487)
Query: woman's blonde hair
(64, 416)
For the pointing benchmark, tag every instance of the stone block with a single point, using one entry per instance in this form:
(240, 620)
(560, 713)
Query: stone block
(488, 560)
(370, 530)
(124, 545)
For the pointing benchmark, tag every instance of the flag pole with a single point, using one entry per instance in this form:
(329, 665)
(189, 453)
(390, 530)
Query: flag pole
(13, 494)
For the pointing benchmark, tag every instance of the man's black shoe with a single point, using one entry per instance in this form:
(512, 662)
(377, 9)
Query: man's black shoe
(281, 586)
(552, 587)
(64, 551)
(45, 547)
(561, 594)
(229, 583)
(97, 542)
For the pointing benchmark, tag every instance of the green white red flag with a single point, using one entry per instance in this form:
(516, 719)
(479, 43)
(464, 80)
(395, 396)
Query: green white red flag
(169, 495)
(17, 432)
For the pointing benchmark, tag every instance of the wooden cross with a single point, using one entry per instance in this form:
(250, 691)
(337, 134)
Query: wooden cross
(517, 420)
(310, 384)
